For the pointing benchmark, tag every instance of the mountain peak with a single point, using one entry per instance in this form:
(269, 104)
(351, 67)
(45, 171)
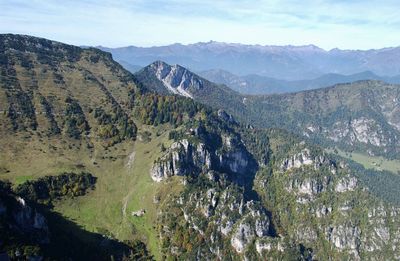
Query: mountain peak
(175, 78)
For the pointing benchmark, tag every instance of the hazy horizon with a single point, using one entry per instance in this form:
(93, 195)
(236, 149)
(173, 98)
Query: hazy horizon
(203, 42)
(328, 24)
(243, 44)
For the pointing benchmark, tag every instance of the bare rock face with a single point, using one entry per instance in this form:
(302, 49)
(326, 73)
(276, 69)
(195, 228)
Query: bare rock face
(365, 132)
(235, 161)
(24, 220)
(30, 221)
(160, 171)
(298, 160)
(266, 245)
(177, 79)
(346, 184)
(242, 236)
(305, 158)
(346, 237)
(185, 158)
(227, 214)
(182, 158)
(352, 222)
(226, 116)
(255, 224)
(368, 131)
(308, 186)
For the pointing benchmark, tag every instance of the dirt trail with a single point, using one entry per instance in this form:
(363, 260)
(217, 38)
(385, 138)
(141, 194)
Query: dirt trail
(129, 165)
(131, 159)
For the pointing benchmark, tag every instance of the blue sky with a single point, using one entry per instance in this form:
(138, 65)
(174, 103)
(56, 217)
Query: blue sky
(353, 24)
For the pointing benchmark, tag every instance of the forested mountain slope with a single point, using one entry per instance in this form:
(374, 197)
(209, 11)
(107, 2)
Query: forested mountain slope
(112, 168)
(359, 116)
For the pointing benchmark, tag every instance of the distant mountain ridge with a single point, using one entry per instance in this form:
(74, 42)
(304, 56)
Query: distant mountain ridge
(282, 62)
(256, 84)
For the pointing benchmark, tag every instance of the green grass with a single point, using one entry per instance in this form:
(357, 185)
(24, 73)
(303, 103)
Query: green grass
(143, 189)
(372, 162)
(22, 179)
(101, 210)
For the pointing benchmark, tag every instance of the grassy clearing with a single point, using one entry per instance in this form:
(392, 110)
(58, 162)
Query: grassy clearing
(371, 162)
(143, 190)
(22, 179)
(123, 181)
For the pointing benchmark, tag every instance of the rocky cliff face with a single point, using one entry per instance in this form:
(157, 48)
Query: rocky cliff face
(308, 206)
(29, 221)
(177, 79)
(217, 216)
(362, 131)
(318, 200)
(356, 116)
(190, 158)
(182, 158)
(21, 225)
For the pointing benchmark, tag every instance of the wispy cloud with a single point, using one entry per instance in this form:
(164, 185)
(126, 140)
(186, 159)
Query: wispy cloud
(327, 23)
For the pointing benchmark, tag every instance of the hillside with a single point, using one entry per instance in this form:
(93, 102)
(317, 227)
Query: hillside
(62, 107)
(360, 116)
(114, 170)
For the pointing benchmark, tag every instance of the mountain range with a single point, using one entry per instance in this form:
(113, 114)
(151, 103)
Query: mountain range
(280, 62)
(98, 163)
(256, 84)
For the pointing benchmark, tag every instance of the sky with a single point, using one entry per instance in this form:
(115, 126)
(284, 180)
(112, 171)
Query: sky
(351, 24)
